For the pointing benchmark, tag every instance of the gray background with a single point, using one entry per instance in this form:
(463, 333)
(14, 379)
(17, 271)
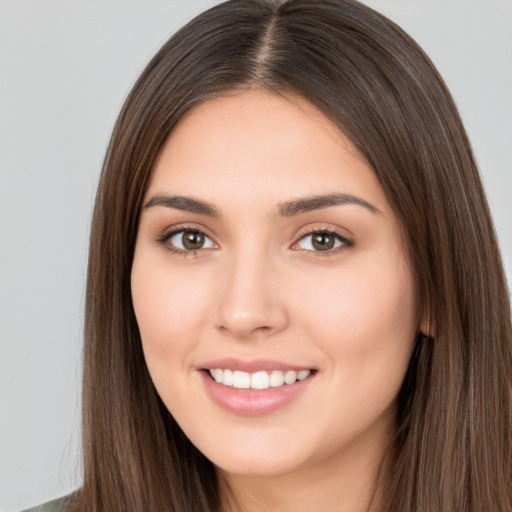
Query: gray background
(65, 68)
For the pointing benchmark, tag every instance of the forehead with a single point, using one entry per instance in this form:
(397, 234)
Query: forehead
(260, 148)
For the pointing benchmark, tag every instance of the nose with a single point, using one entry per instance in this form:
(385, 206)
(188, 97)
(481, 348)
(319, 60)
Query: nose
(251, 301)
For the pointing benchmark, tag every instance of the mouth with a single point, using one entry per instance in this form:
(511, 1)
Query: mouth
(255, 387)
(259, 380)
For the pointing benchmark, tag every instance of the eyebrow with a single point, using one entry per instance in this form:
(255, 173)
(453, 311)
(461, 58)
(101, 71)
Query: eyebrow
(286, 209)
(187, 204)
(310, 203)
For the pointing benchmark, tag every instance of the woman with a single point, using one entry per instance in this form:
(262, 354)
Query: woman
(295, 296)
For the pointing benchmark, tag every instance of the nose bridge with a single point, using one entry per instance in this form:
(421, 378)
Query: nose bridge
(249, 301)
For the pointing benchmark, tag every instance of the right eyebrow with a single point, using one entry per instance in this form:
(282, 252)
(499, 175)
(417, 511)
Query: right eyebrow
(188, 204)
(310, 203)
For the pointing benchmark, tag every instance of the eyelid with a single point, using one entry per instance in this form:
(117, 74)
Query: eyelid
(168, 233)
(346, 242)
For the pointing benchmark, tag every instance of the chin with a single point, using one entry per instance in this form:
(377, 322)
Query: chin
(257, 466)
(259, 459)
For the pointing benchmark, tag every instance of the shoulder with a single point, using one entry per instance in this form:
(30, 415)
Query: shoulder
(58, 505)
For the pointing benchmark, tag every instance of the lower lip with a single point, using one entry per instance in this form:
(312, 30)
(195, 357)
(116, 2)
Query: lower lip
(250, 402)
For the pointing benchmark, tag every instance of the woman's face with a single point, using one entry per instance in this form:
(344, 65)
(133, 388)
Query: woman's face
(268, 255)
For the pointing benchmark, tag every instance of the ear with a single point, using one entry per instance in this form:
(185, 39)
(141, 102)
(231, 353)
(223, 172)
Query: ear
(426, 326)
(423, 325)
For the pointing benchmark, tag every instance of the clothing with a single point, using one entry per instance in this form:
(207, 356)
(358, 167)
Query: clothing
(58, 505)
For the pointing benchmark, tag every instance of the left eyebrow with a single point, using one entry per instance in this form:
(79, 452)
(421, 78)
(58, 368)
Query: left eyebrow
(310, 203)
(188, 204)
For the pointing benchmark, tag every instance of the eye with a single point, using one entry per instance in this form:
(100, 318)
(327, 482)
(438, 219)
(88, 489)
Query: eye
(322, 241)
(188, 240)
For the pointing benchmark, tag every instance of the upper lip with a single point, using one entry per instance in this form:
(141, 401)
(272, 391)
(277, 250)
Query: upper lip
(251, 366)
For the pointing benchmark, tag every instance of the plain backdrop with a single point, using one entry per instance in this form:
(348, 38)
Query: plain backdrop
(65, 69)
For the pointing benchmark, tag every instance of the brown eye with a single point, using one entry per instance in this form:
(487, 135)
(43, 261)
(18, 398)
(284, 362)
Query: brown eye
(322, 241)
(190, 240)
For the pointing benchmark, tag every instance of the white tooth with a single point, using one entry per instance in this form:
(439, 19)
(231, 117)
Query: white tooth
(276, 379)
(303, 374)
(212, 373)
(218, 375)
(241, 380)
(228, 378)
(290, 377)
(260, 380)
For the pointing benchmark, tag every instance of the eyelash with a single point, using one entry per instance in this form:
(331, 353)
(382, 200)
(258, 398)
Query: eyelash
(165, 237)
(346, 243)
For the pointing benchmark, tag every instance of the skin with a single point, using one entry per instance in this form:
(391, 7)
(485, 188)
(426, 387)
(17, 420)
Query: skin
(259, 289)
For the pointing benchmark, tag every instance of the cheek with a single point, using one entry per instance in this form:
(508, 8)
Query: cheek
(365, 321)
(169, 307)
(364, 296)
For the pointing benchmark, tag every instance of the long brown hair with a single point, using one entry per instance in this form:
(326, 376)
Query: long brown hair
(452, 448)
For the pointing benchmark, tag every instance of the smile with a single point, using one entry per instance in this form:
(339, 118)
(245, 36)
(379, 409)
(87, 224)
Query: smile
(259, 380)
(254, 388)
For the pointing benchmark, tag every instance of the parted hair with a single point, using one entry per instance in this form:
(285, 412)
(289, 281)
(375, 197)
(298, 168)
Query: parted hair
(451, 451)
